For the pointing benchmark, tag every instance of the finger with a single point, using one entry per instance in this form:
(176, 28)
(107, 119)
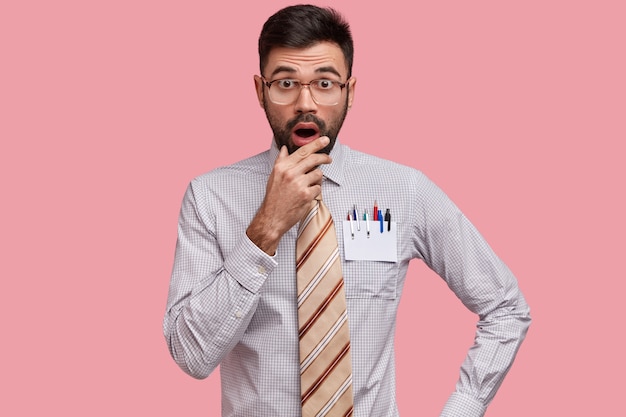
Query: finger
(315, 177)
(301, 166)
(313, 163)
(312, 147)
(309, 159)
(283, 153)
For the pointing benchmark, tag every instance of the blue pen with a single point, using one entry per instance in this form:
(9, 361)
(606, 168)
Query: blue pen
(380, 220)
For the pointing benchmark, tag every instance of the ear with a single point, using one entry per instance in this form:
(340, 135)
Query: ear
(351, 88)
(258, 86)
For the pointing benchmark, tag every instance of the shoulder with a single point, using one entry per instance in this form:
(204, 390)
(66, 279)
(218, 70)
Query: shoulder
(374, 167)
(230, 182)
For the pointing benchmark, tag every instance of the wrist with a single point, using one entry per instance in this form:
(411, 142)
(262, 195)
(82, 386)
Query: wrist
(264, 236)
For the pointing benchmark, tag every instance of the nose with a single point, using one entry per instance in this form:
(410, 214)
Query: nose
(305, 102)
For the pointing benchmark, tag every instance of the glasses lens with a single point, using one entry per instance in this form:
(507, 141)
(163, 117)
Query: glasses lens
(281, 95)
(325, 92)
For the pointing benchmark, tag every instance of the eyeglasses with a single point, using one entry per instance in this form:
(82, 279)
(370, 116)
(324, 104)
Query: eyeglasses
(323, 92)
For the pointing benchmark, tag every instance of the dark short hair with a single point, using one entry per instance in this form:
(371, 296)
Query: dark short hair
(303, 26)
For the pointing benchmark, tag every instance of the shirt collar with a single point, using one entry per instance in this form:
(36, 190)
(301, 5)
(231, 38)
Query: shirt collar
(333, 171)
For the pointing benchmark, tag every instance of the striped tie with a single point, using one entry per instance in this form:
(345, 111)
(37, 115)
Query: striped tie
(325, 364)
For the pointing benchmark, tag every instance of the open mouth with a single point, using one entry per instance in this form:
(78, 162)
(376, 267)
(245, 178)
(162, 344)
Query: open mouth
(305, 133)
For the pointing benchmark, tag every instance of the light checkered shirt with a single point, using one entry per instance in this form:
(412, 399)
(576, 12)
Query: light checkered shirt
(232, 305)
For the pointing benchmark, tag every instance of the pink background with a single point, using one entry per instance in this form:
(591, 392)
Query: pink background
(109, 108)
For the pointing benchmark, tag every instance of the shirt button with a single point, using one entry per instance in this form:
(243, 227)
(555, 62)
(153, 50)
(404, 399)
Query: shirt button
(238, 314)
(261, 269)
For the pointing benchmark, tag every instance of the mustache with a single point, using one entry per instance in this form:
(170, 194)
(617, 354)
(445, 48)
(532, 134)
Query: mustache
(306, 118)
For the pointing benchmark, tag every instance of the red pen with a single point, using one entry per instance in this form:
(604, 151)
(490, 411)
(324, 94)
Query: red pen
(351, 225)
(375, 210)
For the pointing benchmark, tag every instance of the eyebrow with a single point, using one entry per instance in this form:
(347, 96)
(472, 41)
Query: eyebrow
(320, 70)
(283, 68)
(332, 70)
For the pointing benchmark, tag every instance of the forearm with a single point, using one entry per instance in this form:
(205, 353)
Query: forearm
(498, 339)
(203, 323)
(504, 317)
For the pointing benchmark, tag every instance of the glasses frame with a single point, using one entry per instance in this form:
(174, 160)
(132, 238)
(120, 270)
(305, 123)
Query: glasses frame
(302, 85)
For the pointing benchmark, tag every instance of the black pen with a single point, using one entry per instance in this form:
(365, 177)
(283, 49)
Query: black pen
(388, 219)
(356, 217)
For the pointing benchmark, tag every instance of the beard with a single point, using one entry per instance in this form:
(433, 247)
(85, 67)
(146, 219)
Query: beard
(282, 133)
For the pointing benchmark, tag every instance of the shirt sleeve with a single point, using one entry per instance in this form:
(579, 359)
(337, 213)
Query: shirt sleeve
(452, 247)
(211, 297)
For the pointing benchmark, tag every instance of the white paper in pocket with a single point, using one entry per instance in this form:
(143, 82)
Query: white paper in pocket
(377, 247)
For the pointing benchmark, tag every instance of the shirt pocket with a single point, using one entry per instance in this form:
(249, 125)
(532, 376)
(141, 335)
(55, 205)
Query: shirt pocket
(370, 279)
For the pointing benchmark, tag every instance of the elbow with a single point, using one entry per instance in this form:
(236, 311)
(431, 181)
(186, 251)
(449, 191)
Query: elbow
(523, 322)
(188, 356)
(194, 371)
(189, 363)
(517, 308)
(520, 319)
(514, 316)
(526, 320)
(522, 312)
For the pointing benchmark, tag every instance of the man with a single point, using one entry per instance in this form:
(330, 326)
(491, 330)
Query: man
(233, 297)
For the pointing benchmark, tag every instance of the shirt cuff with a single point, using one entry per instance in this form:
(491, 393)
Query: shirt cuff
(249, 265)
(460, 405)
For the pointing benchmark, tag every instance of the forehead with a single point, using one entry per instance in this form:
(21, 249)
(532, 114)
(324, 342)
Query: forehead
(322, 55)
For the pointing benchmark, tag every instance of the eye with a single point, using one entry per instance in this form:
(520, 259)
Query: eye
(286, 84)
(324, 84)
